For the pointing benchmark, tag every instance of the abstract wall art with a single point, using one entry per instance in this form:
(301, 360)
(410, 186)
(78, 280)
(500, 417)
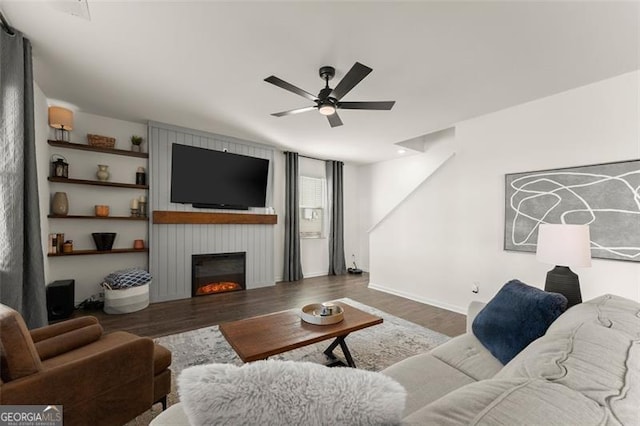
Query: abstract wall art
(604, 196)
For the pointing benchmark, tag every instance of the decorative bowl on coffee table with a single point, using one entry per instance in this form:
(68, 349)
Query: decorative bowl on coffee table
(319, 314)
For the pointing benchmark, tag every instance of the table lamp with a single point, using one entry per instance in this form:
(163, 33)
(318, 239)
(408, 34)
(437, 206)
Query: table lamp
(61, 119)
(564, 246)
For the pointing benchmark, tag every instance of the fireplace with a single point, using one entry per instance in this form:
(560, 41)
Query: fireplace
(217, 273)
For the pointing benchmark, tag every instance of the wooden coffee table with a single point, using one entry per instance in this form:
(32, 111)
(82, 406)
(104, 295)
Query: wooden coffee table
(266, 335)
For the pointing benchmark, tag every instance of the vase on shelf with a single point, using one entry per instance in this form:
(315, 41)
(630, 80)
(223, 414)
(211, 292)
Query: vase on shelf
(103, 172)
(60, 204)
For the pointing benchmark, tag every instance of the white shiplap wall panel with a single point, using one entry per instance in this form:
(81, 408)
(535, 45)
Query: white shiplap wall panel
(171, 246)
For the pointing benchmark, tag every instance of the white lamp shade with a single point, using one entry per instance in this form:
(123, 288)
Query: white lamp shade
(564, 245)
(60, 118)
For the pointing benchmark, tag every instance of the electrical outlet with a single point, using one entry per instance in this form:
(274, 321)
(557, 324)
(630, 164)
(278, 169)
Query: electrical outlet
(475, 287)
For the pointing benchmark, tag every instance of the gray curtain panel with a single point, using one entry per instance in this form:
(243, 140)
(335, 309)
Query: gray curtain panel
(337, 265)
(22, 284)
(292, 264)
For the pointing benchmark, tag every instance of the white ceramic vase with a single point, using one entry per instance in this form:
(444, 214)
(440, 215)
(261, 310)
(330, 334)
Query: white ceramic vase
(103, 172)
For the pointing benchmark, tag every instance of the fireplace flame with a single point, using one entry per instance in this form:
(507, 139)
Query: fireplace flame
(217, 287)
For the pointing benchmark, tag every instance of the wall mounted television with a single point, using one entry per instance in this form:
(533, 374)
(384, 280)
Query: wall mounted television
(207, 178)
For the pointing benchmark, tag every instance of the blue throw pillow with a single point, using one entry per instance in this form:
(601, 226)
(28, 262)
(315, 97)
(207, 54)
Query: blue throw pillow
(515, 317)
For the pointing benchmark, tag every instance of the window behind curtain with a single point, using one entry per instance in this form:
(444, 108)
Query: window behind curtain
(313, 203)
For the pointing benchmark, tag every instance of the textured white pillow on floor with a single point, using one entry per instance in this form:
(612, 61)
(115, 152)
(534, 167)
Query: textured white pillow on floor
(289, 393)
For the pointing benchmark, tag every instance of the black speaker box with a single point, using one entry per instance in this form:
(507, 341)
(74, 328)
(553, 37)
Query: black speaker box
(60, 296)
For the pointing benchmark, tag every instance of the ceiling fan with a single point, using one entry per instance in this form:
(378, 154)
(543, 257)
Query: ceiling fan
(328, 100)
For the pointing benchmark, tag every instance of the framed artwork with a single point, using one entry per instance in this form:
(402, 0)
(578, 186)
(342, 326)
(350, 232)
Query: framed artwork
(604, 196)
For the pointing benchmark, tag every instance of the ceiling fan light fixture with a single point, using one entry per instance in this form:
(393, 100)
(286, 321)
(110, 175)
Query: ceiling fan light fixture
(329, 101)
(327, 109)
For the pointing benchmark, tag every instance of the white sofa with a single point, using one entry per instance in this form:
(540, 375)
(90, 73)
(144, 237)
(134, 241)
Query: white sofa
(584, 371)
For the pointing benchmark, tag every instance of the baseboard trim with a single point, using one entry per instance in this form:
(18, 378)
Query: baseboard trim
(315, 274)
(420, 299)
(306, 275)
(168, 298)
(260, 285)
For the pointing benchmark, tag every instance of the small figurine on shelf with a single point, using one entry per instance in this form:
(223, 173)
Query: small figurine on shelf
(136, 142)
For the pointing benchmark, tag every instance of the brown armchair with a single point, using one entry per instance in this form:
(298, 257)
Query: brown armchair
(99, 379)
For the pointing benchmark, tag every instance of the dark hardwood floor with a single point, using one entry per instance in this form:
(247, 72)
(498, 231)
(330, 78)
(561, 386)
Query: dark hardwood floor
(160, 319)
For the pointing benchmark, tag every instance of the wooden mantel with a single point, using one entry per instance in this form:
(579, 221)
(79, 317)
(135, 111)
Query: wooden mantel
(172, 217)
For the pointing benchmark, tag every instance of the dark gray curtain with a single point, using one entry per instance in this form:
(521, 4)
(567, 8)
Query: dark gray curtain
(292, 264)
(21, 258)
(337, 265)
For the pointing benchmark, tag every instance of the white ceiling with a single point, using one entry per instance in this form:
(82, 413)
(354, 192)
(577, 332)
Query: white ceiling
(202, 64)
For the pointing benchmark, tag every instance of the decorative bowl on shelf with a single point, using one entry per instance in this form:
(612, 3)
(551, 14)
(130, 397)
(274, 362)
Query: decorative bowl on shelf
(321, 313)
(104, 240)
(102, 210)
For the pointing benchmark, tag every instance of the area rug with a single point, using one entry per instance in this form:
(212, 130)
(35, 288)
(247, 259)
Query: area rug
(373, 348)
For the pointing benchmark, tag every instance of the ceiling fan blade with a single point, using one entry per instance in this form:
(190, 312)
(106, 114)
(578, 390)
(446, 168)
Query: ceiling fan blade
(293, 111)
(382, 105)
(290, 87)
(348, 82)
(334, 119)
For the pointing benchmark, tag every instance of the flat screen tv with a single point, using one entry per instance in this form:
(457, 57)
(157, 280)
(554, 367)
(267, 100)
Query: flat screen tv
(215, 179)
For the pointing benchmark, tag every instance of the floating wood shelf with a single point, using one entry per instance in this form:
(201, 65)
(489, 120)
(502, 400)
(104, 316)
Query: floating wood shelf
(112, 251)
(76, 216)
(174, 217)
(97, 183)
(81, 147)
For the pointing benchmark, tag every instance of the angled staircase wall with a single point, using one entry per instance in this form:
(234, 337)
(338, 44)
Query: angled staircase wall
(395, 180)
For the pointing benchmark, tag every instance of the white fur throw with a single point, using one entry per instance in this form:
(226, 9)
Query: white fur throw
(288, 393)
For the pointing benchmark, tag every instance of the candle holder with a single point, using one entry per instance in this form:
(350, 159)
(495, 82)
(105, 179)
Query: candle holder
(141, 176)
(135, 213)
(142, 208)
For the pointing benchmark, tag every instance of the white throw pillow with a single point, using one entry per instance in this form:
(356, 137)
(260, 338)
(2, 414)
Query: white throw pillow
(289, 393)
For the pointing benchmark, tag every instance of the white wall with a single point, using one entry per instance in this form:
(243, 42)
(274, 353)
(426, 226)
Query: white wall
(352, 217)
(449, 232)
(385, 185)
(88, 271)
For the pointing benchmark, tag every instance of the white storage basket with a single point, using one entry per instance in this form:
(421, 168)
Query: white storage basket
(126, 300)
